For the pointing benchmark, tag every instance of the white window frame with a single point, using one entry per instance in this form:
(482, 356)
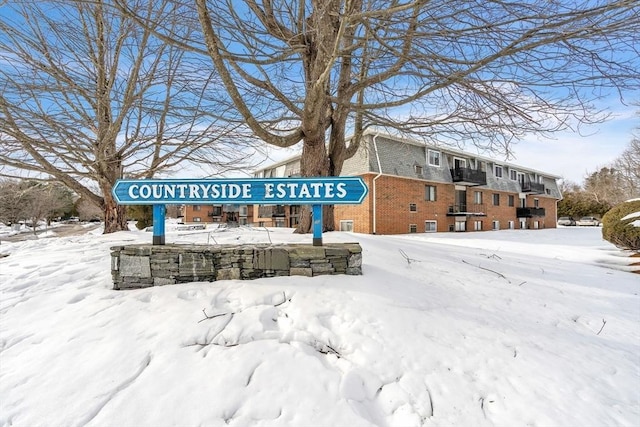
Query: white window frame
(523, 224)
(413, 207)
(495, 225)
(427, 194)
(437, 158)
(430, 222)
(461, 225)
(346, 225)
(413, 228)
(513, 174)
(477, 225)
(512, 225)
(463, 162)
(417, 169)
(497, 168)
(477, 197)
(197, 219)
(536, 225)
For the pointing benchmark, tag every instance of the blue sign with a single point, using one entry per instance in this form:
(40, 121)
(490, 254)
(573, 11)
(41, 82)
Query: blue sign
(271, 191)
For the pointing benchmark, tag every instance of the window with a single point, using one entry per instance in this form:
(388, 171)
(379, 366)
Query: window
(548, 191)
(413, 228)
(496, 225)
(196, 219)
(243, 210)
(540, 179)
(536, 225)
(496, 199)
(477, 225)
(536, 203)
(523, 224)
(434, 158)
(430, 226)
(196, 208)
(513, 174)
(418, 169)
(413, 207)
(498, 170)
(459, 163)
(346, 225)
(461, 226)
(512, 200)
(430, 193)
(512, 225)
(217, 211)
(477, 197)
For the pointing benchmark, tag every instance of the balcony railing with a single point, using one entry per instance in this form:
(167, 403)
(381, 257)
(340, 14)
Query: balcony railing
(271, 211)
(472, 209)
(468, 176)
(529, 212)
(532, 187)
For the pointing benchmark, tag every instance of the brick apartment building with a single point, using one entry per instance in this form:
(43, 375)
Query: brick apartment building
(224, 214)
(415, 188)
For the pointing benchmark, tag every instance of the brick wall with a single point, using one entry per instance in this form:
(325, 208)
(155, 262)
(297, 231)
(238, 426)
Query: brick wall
(396, 194)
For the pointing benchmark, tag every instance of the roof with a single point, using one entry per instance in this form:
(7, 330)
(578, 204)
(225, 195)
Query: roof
(421, 144)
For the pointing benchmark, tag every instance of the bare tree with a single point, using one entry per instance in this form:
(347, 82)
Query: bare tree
(86, 210)
(45, 201)
(33, 201)
(88, 97)
(13, 198)
(456, 72)
(607, 186)
(628, 164)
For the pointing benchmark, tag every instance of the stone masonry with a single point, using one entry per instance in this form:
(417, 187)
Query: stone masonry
(142, 266)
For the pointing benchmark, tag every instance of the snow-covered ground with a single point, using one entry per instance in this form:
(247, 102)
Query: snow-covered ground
(508, 328)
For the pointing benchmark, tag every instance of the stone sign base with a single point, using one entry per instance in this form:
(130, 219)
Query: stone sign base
(142, 266)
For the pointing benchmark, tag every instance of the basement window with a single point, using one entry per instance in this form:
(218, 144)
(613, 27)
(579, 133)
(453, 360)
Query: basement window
(413, 207)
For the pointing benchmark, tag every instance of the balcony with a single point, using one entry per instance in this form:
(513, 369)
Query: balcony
(467, 210)
(271, 211)
(468, 176)
(532, 187)
(529, 212)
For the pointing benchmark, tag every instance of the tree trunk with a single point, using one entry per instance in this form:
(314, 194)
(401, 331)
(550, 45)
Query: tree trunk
(115, 216)
(313, 163)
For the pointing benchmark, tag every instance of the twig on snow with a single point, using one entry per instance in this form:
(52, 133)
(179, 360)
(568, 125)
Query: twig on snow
(207, 317)
(488, 269)
(403, 253)
(268, 235)
(604, 322)
(284, 299)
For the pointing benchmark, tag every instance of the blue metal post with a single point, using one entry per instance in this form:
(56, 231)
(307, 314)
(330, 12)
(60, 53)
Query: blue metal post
(317, 225)
(158, 224)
